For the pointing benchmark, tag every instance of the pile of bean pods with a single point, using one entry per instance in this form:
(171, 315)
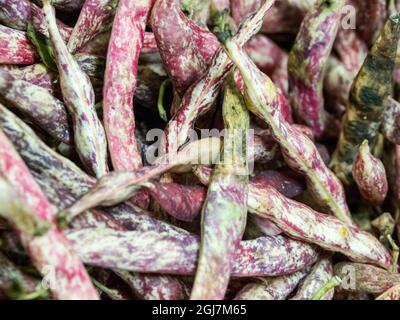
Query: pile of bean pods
(200, 149)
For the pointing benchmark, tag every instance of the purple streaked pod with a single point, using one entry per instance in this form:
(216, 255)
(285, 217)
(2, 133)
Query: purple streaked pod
(160, 252)
(15, 47)
(270, 59)
(186, 48)
(308, 60)
(120, 83)
(94, 15)
(224, 212)
(359, 277)
(319, 275)
(264, 100)
(17, 13)
(391, 121)
(278, 288)
(370, 175)
(89, 136)
(38, 105)
(303, 223)
(199, 98)
(63, 182)
(117, 187)
(154, 287)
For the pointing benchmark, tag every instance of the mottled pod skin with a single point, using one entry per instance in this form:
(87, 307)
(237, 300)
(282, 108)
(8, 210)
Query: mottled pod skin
(199, 98)
(307, 63)
(38, 104)
(270, 59)
(120, 83)
(118, 187)
(391, 294)
(51, 250)
(186, 48)
(160, 252)
(319, 275)
(64, 183)
(225, 209)
(391, 121)
(9, 273)
(272, 289)
(89, 136)
(359, 277)
(373, 84)
(264, 100)
(149, 43)
(301, 222)
(17, 13)
(94, 15)
(370, 175)
(15, 47)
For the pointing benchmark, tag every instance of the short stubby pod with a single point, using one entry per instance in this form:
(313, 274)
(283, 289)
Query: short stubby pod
(370, 175)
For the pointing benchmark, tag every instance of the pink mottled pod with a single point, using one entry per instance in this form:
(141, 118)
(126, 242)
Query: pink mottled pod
(359, 277)
(391, 294)
(89, 136)
(199, 98)
(265, 101)
(319, 275)
(271, 289)
(308, 60)
(17, 13)
(15, 47)
(186, 48)
(391, 121)
(120, 83)
(50, 250)
(301, 222)
(94, 15)
(38, 105)
(270, 59)
(370, 175)
(161, 252)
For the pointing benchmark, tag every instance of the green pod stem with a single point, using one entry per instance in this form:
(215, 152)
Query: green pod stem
(266, 101)
(78, 94)
(308, 60)
(225, 209)
(373, 84)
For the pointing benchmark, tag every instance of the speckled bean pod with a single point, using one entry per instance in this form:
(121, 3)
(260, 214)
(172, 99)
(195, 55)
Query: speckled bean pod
(17, 13)
(225, 209)
(37, 104)
(365, 278)
(201, 95)
(391, 294)
(271, 289)
(301, 222)
(391, 121)
(264, 100)
(270, 59)
(370, 176)
(177, 254)
(372, 86)
(319, 275)
(308, 60)
(15, 47)
(50, 250)
(186, 48)
(89, 136)
(94, 15)
(120, 83)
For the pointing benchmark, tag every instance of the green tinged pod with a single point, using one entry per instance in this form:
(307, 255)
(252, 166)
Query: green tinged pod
(373, 84)
(225, 209)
